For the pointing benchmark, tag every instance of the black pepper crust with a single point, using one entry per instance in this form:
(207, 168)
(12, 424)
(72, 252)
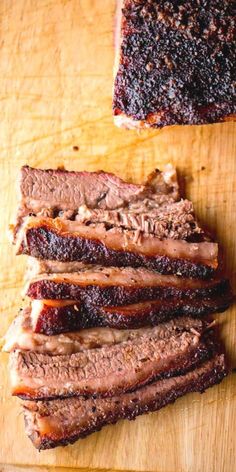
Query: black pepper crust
(177, 59)
(44, 243)
(120, 410)
(61, 320)
(120, 295)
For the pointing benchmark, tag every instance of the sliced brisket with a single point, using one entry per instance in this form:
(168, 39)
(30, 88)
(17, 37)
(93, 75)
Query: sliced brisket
(112, 286)
(61, 422)
(64, 241)
(56, 316)
(61, 193)
(21, 336)
(110, 370)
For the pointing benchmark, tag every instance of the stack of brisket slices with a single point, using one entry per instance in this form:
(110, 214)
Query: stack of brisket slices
(119, 279)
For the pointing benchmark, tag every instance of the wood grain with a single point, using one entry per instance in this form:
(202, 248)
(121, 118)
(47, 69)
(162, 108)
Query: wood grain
(56, 78)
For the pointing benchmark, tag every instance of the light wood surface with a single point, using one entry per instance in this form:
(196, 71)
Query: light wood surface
(56, 78)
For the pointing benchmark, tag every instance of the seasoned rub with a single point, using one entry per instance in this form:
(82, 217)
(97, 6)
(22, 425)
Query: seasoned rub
(175, 63)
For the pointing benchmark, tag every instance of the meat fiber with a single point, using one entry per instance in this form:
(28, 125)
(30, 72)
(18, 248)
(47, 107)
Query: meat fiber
(175, 63)
(173, 220)
(110, 370)
(61, 422)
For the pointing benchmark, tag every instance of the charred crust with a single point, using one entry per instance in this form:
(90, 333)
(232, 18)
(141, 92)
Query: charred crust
(120, 295)
(60, 320)
(53, 320)
(177, 60)
(44, 243)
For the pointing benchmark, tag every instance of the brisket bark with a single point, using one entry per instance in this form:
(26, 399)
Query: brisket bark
(46, 238)
(62, 422)
(110, 370)
(114, 287)
(55, 318)
(175, 63)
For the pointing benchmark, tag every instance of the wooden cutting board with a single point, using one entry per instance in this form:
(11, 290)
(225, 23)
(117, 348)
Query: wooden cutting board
(56, 79)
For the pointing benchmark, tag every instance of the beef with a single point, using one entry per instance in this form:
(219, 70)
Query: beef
(56, 316)
(61, 193)
(174, 220)
(175, 63)
(113, 287)
(64, 241)
(114, 223)
(61, 422)
(21, 336)
(109, 370)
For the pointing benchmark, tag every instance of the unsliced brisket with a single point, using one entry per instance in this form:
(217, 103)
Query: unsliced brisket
(175, 63)
(61, 422)
(110, 370)
(112, 286)
(21, 336)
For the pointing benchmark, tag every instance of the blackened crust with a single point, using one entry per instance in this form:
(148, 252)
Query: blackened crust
(129, 410)
(43, 243)
(120, 295)
(177, 61)
(53, 320)
(154, 315)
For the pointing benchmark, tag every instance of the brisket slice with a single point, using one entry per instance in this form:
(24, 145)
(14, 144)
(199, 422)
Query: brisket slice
(54, 316)
(61, 193)
(109, 370)
(114, 287)
(61, 422)
(65, 241)
(162, 75)
(21, 336)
